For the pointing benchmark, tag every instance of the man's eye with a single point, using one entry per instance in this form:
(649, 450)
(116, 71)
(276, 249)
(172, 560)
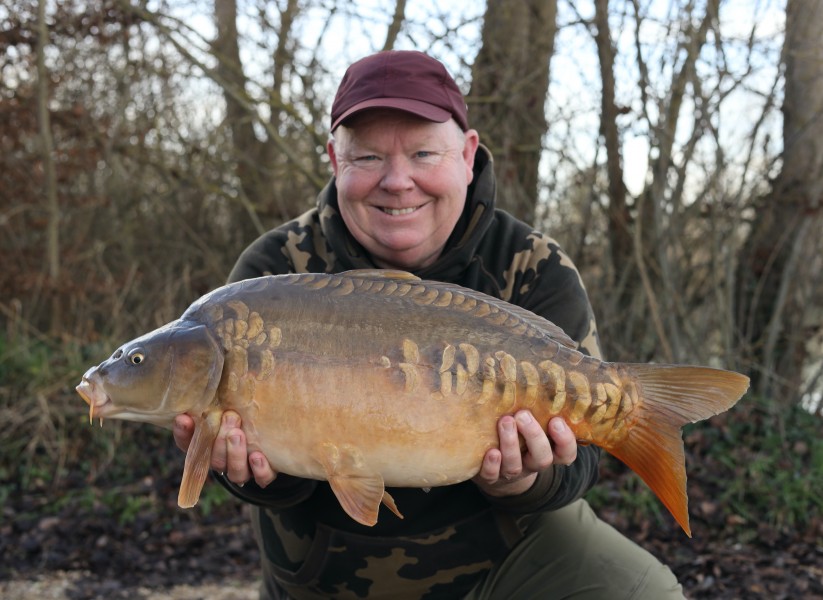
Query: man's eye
(422, 154)
(366, 158)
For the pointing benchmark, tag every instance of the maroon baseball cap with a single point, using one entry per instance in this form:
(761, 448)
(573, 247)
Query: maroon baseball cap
(403, 79)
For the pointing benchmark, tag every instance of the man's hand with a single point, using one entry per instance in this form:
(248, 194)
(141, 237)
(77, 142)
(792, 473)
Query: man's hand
(507, 471)
(229, 455)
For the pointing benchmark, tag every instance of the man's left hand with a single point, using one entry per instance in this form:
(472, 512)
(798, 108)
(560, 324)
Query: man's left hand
(509, 471)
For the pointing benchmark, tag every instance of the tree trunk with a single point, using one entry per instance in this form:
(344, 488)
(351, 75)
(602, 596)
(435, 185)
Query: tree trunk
(50, 178)
(396, 23)
(510, 79)
(778, 256)
(257, 158)
(645, 282)
(250, 154)
(619, 217)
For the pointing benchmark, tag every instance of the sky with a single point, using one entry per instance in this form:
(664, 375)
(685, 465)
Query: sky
(451, 32)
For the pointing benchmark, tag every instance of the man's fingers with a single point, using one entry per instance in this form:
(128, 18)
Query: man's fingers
(512, 460)
(261, 469)
(538, 455)
(237, 464)
(219, 453)
(563, 442)
(230, 455)
(183, 430)
(490, 469)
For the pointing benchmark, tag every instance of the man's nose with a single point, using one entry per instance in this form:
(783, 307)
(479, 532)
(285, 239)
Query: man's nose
(397, 176)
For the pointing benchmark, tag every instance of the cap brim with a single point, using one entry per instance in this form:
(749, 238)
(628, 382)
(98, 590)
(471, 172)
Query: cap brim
(415, 107)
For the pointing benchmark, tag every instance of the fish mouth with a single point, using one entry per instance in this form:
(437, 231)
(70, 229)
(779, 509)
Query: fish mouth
(95, 397)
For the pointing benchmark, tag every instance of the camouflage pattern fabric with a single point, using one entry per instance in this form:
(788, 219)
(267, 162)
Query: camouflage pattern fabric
(452, 536)
(442, 563)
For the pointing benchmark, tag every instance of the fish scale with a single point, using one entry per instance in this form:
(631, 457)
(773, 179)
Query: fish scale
(375, 378)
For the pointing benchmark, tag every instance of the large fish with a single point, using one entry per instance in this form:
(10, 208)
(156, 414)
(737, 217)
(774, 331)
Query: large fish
(376, 378)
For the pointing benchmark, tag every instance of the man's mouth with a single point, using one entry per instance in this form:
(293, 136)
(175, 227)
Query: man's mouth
(398, 211)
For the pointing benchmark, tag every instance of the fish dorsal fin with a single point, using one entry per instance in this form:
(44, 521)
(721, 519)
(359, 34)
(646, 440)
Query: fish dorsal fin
(542, 324)
(539, 323)
(555, 332)
(198, 457)
(358, 490)
(381, 274)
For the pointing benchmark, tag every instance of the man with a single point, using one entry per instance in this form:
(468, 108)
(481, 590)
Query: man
(414, 190)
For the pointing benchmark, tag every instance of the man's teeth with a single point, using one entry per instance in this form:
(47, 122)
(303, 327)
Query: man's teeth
(398, 211)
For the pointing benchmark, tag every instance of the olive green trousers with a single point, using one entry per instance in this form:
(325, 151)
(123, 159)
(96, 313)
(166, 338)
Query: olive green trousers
(571, 554)
(565, 554)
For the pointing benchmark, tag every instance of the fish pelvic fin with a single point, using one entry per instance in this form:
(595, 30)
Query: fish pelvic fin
(671, 396)
(198, 458)
(358, 489)
(389, 502)
(359, 495)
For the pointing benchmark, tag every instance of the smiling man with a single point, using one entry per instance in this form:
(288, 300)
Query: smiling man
(413, 189)
(401, 183)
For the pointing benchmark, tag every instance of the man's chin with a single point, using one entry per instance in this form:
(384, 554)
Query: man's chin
(403, 260)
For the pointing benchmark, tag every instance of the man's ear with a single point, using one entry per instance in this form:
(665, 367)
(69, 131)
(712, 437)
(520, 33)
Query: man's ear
(332, 155)
(471, 141)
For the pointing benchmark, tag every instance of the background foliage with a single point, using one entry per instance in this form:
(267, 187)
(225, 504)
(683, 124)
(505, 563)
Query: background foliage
(144, 144)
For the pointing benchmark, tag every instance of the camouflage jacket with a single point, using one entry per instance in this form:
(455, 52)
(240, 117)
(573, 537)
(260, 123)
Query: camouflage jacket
(451, 535)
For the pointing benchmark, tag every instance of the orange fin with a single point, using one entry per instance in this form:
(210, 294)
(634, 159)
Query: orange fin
(389, 502)
(358, 490)
(359, 495)
(381, 274)
(198, 458)
(670, 397)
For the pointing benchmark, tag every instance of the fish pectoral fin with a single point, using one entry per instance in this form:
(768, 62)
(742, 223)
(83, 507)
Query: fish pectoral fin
(360, 496)
(198, 458)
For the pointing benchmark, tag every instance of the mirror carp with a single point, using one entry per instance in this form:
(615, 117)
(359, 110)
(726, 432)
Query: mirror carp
(376, 378)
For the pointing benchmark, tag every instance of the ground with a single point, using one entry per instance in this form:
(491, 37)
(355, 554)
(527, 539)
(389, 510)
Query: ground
(76, 539)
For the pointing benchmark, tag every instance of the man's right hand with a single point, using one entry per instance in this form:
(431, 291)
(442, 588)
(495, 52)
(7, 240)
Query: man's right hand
(230, 455)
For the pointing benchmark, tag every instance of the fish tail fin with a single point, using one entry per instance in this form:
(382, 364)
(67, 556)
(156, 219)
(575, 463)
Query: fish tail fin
(198, 458)
(669, 397)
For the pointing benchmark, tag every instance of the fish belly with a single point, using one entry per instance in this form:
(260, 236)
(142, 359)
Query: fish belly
(309, 415)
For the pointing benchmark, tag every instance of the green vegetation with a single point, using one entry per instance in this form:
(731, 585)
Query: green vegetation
(753, 466)
(772, 464)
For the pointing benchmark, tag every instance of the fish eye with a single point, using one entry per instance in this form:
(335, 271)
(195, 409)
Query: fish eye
(136, 357)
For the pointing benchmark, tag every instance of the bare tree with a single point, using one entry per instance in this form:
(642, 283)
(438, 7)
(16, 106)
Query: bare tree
(395, 25)
(172, 148)
(618, 212)
(781, 255)
(47, 161)
(510, 80)
(667, 290)
(255, 158)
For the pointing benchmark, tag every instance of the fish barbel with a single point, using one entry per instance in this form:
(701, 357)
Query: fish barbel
(375, 378)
